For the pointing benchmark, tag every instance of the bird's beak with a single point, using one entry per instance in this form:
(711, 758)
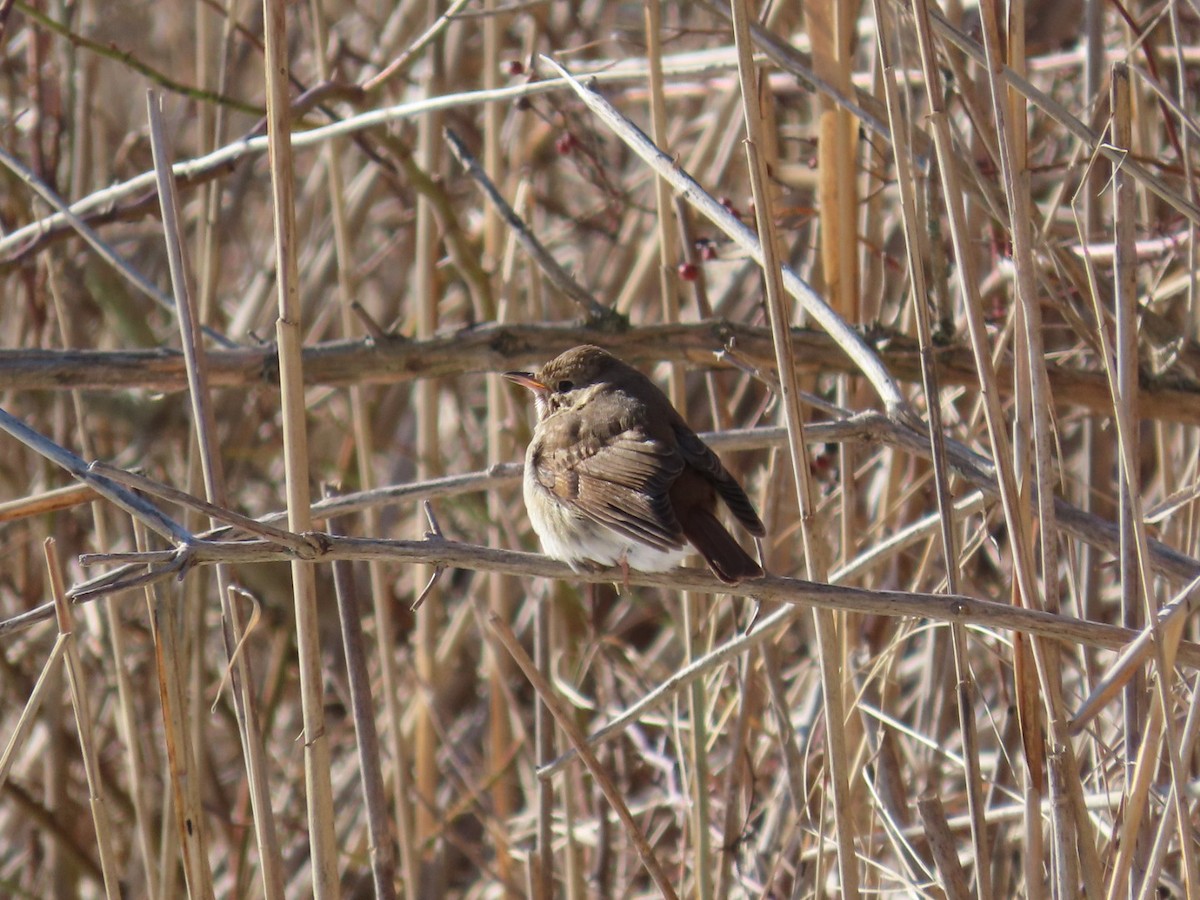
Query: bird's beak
(526, 380)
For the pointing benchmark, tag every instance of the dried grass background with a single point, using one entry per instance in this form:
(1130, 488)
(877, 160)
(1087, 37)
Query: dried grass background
(1006, 211)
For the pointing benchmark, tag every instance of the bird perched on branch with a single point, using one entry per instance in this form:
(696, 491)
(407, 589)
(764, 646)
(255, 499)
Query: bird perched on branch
(614, 475)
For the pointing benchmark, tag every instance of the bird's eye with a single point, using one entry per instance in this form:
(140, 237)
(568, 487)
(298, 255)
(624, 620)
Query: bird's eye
(565, 385)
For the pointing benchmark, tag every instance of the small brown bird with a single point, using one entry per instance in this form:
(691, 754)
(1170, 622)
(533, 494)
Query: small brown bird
(614, 476)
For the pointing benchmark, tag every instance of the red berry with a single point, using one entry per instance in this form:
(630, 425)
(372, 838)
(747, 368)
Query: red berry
(514, 67)
(822, 467)
(565, 144)
(688, 271)
(707, 249)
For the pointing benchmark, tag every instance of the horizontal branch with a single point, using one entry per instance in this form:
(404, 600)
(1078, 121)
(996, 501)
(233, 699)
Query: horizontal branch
(960, 610)
(496, 348)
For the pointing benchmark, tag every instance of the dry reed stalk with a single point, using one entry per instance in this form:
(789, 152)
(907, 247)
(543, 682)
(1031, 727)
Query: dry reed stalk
(917, 251)
(83, 723)
(692, 607)
(424, 310)
(1138, 596)
(114, 625)
(1032, 424)
(504, 594)
(289, 335)
(364, 444)
(216, 492)
(562, 715)
(383, 868)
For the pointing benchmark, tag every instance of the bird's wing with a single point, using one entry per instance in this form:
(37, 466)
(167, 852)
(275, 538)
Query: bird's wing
(700, 457)
(621, 481)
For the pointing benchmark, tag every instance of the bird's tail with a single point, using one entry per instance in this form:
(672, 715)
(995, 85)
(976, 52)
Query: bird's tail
(723, 554)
